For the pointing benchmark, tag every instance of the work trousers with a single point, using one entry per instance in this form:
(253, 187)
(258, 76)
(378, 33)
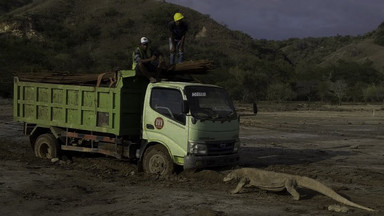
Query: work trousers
(177, 50)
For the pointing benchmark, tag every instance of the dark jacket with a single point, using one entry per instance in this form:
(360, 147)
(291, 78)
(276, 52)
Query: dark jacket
(178, 31)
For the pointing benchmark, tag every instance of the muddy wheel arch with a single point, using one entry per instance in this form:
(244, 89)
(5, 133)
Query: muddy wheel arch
(157, 160)
(35, 133)
(47, 146)
(38, 130)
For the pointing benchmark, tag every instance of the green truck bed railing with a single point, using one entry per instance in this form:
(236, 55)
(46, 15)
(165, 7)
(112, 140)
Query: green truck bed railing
(116, 110)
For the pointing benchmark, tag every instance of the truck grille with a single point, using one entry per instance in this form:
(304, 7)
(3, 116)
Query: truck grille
(220, 148)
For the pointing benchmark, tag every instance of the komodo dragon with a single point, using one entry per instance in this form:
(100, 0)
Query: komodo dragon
(273, 181)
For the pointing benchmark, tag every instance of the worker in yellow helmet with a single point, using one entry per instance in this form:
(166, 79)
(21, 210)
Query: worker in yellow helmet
(178, 28)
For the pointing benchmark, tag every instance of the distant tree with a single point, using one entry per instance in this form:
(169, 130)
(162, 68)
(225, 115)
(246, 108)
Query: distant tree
(248, 86)
(354, 72)
(8, 5)
(374, 93)
(280, 92)
(306, 90)
(379, 35)
(323, 90)
(339, 89)
(355, 92)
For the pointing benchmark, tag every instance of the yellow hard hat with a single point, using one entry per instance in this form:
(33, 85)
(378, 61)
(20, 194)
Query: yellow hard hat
(178, 16)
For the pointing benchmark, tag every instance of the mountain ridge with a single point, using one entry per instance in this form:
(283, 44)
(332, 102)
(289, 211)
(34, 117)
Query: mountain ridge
(98, 36)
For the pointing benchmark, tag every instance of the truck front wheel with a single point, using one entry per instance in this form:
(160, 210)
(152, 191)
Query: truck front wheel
(157, 161)
(46, 146)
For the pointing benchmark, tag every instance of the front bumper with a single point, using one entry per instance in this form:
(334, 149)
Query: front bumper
(193, 161)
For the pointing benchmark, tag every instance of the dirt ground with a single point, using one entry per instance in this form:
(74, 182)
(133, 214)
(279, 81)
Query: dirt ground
(341, 146)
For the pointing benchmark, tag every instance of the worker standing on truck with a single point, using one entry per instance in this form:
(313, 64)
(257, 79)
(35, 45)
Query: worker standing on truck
(147, 61)
(178, 28)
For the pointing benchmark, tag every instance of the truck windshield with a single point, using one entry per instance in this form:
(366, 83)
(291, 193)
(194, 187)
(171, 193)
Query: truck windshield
(210, 103)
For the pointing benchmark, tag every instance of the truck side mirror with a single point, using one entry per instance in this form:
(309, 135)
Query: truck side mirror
(185, 107)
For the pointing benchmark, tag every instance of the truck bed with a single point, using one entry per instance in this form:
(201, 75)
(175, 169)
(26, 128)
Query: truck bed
(80, 102)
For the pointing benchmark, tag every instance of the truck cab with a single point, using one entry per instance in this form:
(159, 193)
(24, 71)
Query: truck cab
(195, 123)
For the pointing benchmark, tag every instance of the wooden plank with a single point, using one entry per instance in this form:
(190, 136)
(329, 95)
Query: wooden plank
(77, 79)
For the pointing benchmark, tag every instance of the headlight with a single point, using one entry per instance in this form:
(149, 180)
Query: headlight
(236, 147)
(197, 148)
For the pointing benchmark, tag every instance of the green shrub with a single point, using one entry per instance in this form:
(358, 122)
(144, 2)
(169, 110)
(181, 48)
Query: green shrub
(374, 93)
(379, 35)
(280, 92)
(111, 12)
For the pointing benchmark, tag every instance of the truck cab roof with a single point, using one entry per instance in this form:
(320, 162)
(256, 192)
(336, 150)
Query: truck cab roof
(177, 84)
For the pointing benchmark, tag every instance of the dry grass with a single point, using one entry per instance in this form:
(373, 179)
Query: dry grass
(363, 51)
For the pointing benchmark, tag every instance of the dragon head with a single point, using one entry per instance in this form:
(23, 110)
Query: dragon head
(230, 177)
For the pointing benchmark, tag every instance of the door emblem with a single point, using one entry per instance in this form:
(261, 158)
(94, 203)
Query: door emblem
(159, 123)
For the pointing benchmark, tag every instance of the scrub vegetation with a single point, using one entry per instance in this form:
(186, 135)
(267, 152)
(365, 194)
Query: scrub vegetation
(99, 36)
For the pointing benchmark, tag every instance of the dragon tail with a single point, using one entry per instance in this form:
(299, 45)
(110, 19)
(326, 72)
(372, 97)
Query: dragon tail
(315, 185)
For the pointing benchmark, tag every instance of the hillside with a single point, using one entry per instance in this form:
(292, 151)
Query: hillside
(9, 5)
(98, 36)
(362, 52)
(106, 33)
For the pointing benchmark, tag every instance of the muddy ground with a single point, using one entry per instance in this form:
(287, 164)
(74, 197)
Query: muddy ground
(341, 146)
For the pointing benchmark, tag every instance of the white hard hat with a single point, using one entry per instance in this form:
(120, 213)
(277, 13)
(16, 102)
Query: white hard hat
(144, 40)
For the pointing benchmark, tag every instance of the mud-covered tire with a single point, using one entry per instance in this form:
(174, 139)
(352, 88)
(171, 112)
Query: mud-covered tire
(46, 146)
(157, 161)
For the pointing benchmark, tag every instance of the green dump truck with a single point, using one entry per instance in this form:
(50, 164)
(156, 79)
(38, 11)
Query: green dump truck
(121, 114)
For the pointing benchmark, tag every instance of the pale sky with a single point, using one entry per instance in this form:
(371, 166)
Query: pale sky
(283, 19)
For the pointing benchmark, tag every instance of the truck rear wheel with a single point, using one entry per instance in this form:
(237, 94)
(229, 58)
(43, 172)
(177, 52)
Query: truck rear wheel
(157, 161)
(46, 146)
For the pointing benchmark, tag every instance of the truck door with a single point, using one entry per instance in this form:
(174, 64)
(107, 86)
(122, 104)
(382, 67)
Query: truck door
(164, 120)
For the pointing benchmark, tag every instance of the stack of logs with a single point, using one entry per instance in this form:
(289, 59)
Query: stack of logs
(192, 67)
(184, 69)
